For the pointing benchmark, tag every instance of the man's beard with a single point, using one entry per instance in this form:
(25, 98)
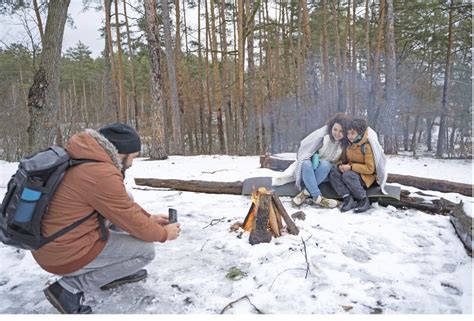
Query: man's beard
(124, 165)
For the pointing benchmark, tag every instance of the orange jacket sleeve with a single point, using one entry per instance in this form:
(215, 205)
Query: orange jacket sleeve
(110, 199)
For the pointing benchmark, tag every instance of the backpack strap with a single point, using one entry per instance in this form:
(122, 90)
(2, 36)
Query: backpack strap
(103, 230)
(362, 148)
(71, 227)
(79, 161)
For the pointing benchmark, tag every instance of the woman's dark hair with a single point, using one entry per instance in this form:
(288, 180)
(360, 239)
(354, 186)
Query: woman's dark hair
(341, 119)
(358, 124)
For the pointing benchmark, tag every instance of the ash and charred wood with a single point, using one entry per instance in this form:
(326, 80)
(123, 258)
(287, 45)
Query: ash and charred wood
(193, 185)
(292, 229)
(261, 234)
(279, 164)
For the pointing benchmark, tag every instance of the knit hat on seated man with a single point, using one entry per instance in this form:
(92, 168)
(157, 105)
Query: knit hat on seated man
(123, 137)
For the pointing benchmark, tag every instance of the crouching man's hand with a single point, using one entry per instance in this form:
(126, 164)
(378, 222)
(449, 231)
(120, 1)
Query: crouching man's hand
(173, 230)
(161, 219)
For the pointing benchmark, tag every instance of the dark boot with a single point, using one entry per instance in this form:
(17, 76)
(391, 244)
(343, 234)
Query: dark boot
(362, 205)
(65, 301)
(135, 277)
(348, 203)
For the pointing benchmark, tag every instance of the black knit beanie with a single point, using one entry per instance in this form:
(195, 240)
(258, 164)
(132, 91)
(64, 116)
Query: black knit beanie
(123, 137)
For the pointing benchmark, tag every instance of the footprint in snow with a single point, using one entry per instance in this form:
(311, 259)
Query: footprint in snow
(356, 254)
(421, 241)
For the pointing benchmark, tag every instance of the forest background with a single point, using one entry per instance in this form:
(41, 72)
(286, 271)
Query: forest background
(239, 76)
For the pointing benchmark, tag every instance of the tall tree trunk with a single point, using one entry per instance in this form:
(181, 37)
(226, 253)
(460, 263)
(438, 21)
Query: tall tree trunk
(113, 84)
(201, 87)
(121, 74)
(310, 72)
(39, 20)
(444, 100)
(106, 82)
(157, 121)
(345, 52)
(177, 133)
(227, 103)
(326, 87)
(132, 69)
(391, 84)
(368, 57)
(208, 85)
(341, 107)
(354, 60)
(240, 84)
(372, 111)
(217, 81)
(413, 138)
(43, 97)
(179, 68)
(252, 115)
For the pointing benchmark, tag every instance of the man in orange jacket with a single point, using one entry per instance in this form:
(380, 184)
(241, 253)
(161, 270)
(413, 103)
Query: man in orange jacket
(91, 256)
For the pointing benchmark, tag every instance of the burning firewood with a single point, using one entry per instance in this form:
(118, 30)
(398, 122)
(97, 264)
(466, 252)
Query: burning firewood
(264, 218)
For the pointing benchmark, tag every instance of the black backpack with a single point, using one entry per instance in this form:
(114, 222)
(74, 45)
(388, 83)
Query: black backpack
(28, 194)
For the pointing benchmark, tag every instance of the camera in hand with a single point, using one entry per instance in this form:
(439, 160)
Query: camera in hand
(172, 215)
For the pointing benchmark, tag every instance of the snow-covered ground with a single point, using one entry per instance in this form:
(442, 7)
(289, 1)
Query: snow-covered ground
(382, 261)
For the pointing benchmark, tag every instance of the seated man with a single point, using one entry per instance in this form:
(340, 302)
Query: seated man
(91, 256)
(357, 169)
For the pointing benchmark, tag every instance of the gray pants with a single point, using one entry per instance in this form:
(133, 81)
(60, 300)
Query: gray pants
(348, 183)
(122, 255)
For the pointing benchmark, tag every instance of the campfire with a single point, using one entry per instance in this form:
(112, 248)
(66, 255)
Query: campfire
(265, 217)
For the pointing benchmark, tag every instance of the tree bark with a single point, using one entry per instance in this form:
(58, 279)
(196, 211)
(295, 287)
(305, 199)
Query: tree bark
(39, 21)
(132, 69)
(227, 104)
(252, 115)
(113, 81)
(201, 86)
(375, 75)
(123, 114)
(208, 85)
(157, 122)
(391, 84)
(341, 106)
(444, 100)
(242, 137)
(43, 97)
(196, 186)
(217, 81)
(177, 133)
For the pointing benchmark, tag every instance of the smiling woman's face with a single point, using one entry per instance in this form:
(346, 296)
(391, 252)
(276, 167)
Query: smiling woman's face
(337, 132)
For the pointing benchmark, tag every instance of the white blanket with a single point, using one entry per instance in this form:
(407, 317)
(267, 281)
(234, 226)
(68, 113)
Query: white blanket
(313, 142)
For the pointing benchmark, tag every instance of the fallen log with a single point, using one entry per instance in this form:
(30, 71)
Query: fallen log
(462, 222)
(440, 206)
(463, 225)
(193, 186)
(280, 164)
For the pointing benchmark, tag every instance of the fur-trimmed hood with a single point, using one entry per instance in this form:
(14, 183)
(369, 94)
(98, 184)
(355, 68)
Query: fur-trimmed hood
(90, 144)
